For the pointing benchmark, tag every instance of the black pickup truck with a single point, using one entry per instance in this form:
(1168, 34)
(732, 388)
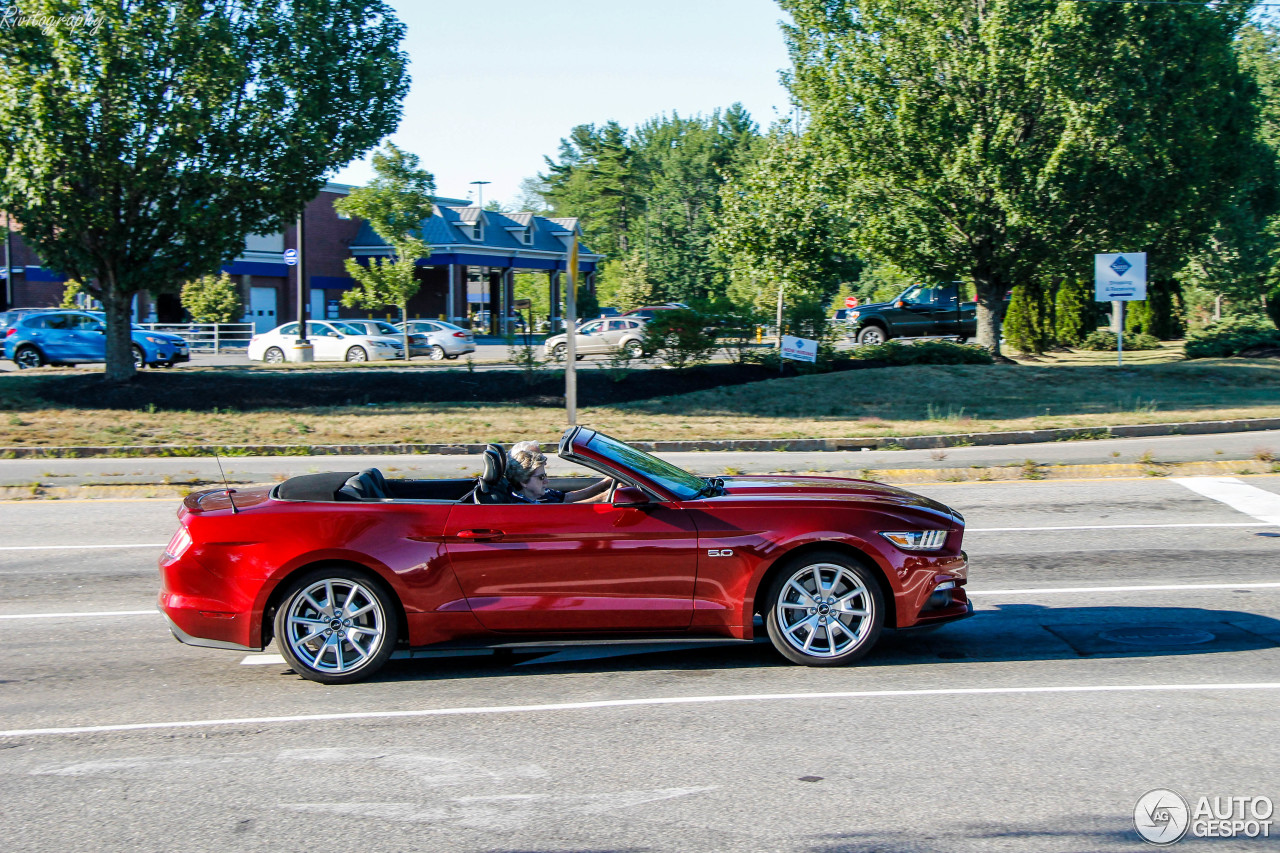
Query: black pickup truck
(920, 311)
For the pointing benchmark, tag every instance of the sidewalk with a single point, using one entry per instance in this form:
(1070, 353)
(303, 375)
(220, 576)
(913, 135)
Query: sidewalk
(1226, 454)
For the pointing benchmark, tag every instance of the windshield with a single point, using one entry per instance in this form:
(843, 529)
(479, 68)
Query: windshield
(385, 328)
(678, 481)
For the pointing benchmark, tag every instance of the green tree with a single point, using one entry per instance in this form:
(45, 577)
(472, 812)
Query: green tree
(69, 294)
(1002, 141)
(212, 299)
(395, 204)
(780, 228)
(625, 282)
(1076, 312)
(595, 181)
(140, 153)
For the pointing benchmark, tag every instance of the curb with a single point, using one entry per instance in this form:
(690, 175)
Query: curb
(913, 442)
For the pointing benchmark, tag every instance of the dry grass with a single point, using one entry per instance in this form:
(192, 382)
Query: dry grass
(865, 403)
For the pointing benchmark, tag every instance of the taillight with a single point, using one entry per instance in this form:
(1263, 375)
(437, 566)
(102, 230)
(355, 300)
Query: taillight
(459, 334)
(179, 544)
(11, 331)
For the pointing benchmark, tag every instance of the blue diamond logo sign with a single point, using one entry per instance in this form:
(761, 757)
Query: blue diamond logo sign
(1121, 266)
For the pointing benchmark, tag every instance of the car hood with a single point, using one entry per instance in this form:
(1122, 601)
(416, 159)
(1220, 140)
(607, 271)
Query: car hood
(164, 336)
(873, 306)
(833, 487)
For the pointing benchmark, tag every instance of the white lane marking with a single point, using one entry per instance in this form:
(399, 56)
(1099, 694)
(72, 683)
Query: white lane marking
(151, 612)
(261, 660)
(1164, 588)
(76, 547)
(1240, 496)
(638, 703)
(1118, 527)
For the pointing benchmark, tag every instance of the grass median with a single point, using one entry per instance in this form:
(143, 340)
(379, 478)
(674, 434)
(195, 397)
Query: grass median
(920, 400)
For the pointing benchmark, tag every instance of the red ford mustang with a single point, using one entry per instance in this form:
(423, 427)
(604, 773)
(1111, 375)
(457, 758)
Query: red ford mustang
(343, 569)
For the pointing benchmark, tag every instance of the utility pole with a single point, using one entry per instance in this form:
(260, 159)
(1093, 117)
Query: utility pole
(302, 348)
(8, 262)
(479, 185)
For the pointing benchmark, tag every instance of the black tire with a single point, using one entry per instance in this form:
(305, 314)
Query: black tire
(452, 357)
(872, 336)
(319, 642)
(633, 349)
(437, 353)
(139, 357)
(273, 355)
(799, 623)
(29, 356)
(560, 351)
(357, 354)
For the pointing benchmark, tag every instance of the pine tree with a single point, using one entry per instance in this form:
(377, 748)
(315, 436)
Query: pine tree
(1075, 314)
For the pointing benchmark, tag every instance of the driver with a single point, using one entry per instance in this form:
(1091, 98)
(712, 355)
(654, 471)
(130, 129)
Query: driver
(527, 471)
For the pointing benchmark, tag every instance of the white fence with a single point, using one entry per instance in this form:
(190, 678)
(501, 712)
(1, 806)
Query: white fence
(207, 337)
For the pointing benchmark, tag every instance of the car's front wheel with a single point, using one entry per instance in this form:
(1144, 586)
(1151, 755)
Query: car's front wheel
(357, 354)
(872, 336)
(274, 355)
(558, 351)
(28, 357)
(336, 625)
(825, 609)
(437, 353)
(139, 358)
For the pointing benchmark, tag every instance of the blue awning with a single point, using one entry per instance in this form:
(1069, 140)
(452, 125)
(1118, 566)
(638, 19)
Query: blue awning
(256, 268)
(42, 274)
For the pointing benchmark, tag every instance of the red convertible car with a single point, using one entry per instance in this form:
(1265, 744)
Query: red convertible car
(345, 569)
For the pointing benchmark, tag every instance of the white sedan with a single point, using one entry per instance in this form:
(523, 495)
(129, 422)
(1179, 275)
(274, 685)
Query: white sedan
(332, 341)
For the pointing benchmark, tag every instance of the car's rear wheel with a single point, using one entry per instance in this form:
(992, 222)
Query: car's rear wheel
(336, 625)
(824, 609)
(633, 349)
(139, 358)
(357, 354)
(273, 355)
(28, 357)
(872, 336)
(437, 353)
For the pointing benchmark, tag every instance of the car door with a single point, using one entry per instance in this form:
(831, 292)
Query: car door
(613, 332)
(590, 338)
(575, 566)
(54, 335)
(326, 341)
(86, 337)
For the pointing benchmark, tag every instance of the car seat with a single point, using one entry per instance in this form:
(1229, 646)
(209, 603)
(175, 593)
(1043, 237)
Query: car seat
(492, 486)
(368, 485)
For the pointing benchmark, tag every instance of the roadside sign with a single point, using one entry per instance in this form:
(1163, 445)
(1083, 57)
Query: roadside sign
(522, 304)
(799, 349)
(1120, 278)
(851, 302)
(291, 257)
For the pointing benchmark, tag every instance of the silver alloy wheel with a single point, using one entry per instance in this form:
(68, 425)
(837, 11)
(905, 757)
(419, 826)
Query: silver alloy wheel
(274, 355)
(28, 357)
(871, 336)
(357, 354)
(825, 610)
(437, 352)
(634, 349)
(558, 351)
(139, 358)
(335, 626)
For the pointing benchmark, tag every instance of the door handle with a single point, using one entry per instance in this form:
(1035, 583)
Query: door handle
(480, 535)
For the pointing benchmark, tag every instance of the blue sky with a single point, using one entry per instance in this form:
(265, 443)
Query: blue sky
(497, 83)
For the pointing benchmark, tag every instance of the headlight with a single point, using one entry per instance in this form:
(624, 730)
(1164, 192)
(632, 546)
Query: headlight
(151, 339)
(917, 540)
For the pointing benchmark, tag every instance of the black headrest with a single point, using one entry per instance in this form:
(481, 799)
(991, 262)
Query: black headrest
(495, 467)
(368, 485)
(313, 487)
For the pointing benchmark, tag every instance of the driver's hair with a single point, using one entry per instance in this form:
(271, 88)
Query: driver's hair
(523, 459)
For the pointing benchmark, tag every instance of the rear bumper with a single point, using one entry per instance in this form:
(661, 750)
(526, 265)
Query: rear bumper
(183, 637)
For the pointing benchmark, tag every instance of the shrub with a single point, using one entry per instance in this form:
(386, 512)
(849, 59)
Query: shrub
(924, 352)
(1161, 313)
(680, 337)
(1076, 312)
(1232, 336)
(1105, 341)
(212, 299)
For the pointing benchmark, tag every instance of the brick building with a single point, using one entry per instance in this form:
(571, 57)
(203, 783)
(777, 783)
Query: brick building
(474, 255)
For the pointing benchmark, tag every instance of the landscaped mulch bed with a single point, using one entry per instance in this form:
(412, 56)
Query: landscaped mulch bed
(184, 390)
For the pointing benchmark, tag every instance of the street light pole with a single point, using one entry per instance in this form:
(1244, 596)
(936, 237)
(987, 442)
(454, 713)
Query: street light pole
(479, 185)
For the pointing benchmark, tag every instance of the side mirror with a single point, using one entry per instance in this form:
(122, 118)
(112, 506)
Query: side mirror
(630, 496)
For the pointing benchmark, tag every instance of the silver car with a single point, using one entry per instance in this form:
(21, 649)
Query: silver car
(602, 337)
(442, 340)
(418, 343)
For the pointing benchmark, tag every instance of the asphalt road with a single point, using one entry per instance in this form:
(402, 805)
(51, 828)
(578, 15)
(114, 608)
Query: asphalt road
(1027, 727)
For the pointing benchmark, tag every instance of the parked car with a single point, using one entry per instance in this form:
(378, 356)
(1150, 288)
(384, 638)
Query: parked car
(920, 311)
(57, 336)
(331, 340)
(443, 340)
(650, 311)
(345, 569)
(480, 322)
(602, 337)
(418, 344)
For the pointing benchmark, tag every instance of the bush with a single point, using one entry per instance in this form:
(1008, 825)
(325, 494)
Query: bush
(681, 338)
(1160, 314)
(1232, 336)
(924, 352)
(1104, 341)
(1075, 312)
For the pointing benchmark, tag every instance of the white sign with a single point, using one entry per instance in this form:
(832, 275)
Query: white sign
(1120, 278)
(799, 349)
(291, 257)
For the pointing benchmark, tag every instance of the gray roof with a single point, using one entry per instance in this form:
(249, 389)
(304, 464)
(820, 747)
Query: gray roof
(501, 231)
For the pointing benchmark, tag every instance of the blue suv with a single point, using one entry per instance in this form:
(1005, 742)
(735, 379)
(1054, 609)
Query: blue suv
(73, 337)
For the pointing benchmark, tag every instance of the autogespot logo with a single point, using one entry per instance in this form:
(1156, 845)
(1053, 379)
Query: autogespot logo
(1161, 816)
